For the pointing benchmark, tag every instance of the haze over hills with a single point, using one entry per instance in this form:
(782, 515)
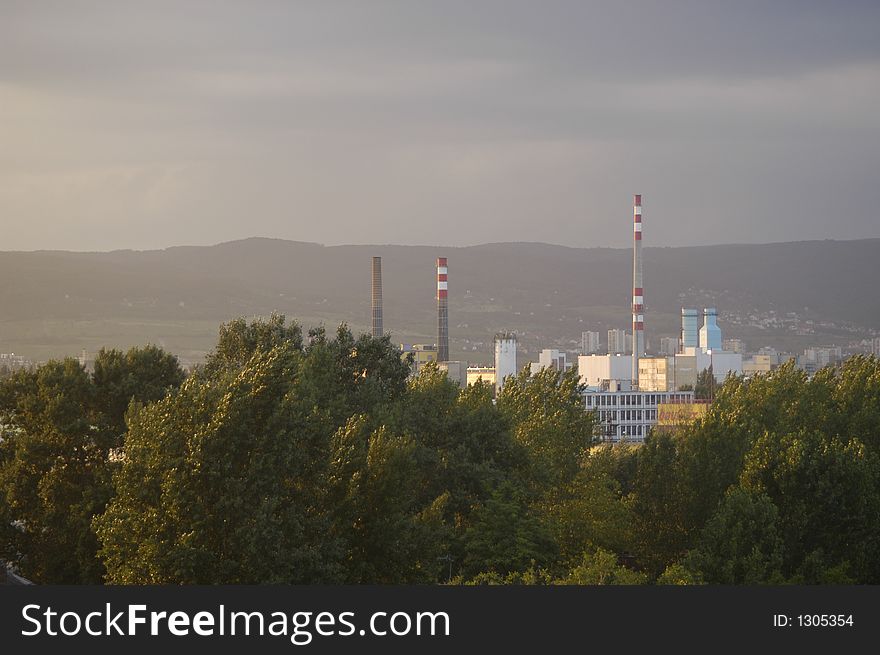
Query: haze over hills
(57, 302)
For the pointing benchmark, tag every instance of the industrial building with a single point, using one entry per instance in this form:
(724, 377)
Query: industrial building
(689, 328)
(505, 357)
(484, 373)
(456, 372)
(627, 415)
(669, 345)
(422, 354)
(626, 389)
(710, 334)
(555, 359)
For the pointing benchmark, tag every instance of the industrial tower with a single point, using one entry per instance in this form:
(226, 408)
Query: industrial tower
(638, 292)
(442, 311)
(378, 329)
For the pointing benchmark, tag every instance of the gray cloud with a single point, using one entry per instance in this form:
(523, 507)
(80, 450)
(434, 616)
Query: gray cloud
(151, 124)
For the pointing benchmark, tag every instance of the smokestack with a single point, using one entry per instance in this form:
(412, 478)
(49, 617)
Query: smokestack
(442, 312)
(638, 291)
(378, 329)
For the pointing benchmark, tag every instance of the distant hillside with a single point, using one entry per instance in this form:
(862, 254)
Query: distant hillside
(547, 293)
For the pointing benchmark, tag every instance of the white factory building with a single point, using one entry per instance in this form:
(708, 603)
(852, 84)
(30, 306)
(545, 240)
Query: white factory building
(627, 415)
(505, 358)
(667, 372)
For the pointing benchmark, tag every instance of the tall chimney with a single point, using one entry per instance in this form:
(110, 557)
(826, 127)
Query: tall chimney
(638, 291)
(378, 329)
(442, 312)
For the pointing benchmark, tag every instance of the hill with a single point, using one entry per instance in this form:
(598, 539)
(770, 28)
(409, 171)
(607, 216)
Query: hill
(784, 294)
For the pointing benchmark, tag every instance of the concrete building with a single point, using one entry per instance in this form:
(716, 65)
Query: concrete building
(815, 358)
(629, 415)
(725, 363)
(690, 328)
(672, 415)
(758, 365)
(484, 373)
(505, 357)
(422, 354)
(589, 343)
(555, 359)
(455, 372)
(669, 345)
(599, 371)
(596, 370)
(655, 373)
(734, 346)
(710, 333)
(617, 342)
(875, 346)
(692, 361)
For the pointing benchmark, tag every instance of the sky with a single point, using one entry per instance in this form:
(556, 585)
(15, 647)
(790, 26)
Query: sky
(150, 124)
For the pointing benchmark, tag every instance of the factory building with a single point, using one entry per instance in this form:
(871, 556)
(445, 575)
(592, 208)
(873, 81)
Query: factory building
(690, 363)
(456, 372)
(669, 345)
(484, 373)
(422, 354)
(710, 334)
(690, 336)
(627, 390)
(627, 415)
(598, 371)
(555, 359)
(505, 357)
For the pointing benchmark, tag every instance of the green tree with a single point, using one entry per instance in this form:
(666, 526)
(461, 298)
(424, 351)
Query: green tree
(53, 474)
(588, 512)
(547, 415)
(600, 567)
(463, 449)
(740, 544)
(706, 385)
(661, 530)
(141, 375)
(827, 490)
(240, 340)
(275, 470)
(60, 433)
(390, 537)
(679, 575)
(505, 536)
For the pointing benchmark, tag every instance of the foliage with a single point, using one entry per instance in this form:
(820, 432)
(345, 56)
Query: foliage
(601, 568)
(740, 544)
(706, 385)
(679, 575)
(547, 413)
(505, 535)
(318, 458)
(60, 428)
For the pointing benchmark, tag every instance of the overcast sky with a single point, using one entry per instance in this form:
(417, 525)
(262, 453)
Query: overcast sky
(149, 124)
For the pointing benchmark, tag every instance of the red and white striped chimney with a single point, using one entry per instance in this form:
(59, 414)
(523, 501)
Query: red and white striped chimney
(442, 311)
(638, 303)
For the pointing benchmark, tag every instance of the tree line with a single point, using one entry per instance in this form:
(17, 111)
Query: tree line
(292, 457)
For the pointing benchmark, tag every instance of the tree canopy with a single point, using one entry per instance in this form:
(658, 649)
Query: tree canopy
(292, 457)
